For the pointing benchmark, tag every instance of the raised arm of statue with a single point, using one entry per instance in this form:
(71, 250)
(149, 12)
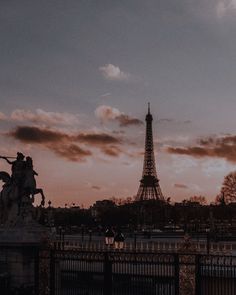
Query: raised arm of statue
(6, 159)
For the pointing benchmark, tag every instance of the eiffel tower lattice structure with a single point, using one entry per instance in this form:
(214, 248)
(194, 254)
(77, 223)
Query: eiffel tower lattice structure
(149, 187)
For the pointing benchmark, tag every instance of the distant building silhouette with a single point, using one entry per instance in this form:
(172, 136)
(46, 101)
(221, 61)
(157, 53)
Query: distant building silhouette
(101, 206)
(149, 187)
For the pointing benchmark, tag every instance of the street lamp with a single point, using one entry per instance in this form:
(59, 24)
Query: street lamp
(208, 240)
(82, 232)
(63, 238)
(90, 235)
(135, 240)
(50, 220)
(60, 236)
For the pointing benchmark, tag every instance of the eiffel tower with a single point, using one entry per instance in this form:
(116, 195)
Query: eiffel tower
(149, 187)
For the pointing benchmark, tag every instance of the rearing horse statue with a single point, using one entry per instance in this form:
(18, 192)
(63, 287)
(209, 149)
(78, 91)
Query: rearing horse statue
(11, 196)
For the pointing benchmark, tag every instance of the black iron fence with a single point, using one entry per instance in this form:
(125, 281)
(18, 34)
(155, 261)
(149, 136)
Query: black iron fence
(81, 272)
(132, 273)
(216, 275)
(107, 273)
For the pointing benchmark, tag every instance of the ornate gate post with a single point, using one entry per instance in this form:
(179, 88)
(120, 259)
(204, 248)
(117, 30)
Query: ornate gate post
(46, 268)
(44, 272)
(187, 278)
(187, 268)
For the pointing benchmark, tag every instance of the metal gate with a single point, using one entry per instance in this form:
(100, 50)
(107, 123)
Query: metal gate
(216, 275)
(113, 273)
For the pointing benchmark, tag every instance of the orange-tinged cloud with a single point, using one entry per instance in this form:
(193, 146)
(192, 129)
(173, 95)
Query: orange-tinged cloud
(98, 138)
(3, 117)
(222, 147)
(113, 151)
(180, 185)
(69, 145)
(107, 113)
(43, 117)
(96, 187)
(30, 134)
(70, 152)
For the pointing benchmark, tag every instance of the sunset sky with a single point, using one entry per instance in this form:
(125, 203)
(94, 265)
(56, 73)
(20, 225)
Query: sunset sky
(75, 80)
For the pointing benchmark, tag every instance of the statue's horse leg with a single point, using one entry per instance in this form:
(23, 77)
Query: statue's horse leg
(5, 204)
(39, 191)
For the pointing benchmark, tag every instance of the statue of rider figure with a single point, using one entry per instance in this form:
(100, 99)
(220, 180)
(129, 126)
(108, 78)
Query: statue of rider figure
(18, 174)
(18, 170)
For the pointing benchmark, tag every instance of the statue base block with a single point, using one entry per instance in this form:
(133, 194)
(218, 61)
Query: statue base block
(19, 255)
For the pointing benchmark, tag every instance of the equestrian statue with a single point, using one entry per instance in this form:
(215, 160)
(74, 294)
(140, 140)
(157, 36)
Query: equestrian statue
(18, 191)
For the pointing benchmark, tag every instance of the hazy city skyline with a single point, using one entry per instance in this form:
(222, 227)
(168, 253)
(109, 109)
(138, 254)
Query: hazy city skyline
(75, 80)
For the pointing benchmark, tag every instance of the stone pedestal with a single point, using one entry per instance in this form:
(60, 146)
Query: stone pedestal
(19, 255)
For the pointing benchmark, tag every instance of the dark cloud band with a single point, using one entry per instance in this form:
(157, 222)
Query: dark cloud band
(223, 147)
(68, 145)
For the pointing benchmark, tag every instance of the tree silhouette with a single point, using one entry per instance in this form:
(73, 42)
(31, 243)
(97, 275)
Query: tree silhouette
(228, 189)
(220, 199)
(198, 199)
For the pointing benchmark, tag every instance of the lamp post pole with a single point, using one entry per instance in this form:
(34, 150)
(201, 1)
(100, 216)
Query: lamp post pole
(63, 239)
(135, 240)
(82, 233)
(208, 240)
(90, 235)
(60, 236)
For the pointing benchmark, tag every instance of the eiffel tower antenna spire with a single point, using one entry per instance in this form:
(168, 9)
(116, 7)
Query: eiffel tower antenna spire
(149, 187)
